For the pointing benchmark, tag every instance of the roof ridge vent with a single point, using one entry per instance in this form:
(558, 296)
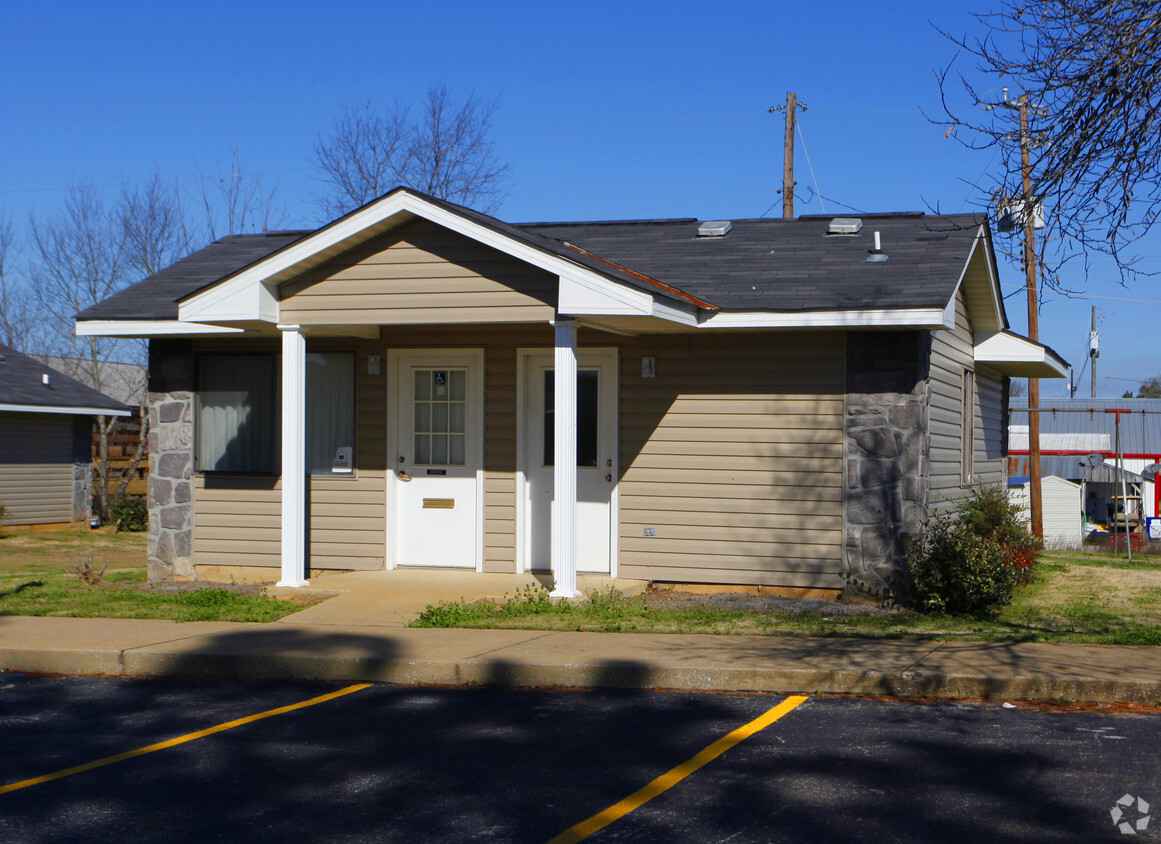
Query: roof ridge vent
(844, 225)
(714, 228)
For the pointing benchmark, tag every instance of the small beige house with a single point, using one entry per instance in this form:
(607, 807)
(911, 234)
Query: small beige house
(45, 438)
(769, 402)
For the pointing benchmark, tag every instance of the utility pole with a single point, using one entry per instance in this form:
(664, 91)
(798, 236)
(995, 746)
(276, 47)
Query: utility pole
(1033, 321)
(788, 158)
(792, 105)
(1094, 349)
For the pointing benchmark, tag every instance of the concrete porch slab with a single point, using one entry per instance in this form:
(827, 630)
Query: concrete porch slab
(395, 598)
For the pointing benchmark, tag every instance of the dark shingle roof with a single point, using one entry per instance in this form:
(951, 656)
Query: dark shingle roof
(789, 265)
(22, 383)
(760, 265)
(157, 296)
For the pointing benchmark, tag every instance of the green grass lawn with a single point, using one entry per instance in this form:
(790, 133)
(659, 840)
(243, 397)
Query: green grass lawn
(1076, 597)
(39, 576)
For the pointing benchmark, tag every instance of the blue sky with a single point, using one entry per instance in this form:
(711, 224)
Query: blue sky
(606, 110)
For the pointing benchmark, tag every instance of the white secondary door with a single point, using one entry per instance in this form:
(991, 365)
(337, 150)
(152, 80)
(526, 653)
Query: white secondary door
(437, 453)
(596, 459)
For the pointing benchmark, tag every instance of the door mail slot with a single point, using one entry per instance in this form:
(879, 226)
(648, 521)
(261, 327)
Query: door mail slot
(439, 504)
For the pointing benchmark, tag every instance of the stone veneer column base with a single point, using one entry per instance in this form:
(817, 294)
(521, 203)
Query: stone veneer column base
(170, 490)
(887, 458)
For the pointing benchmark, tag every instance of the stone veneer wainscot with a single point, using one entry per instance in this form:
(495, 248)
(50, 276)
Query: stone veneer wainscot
(887, 457)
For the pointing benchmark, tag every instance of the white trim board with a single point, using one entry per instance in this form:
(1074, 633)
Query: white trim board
(75, 411)
(148, 328)
(909, 318)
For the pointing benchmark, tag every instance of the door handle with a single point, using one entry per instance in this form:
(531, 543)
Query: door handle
(609, 478)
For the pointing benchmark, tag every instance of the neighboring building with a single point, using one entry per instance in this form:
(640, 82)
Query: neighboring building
(128, 384)
(45, 434)
(1062, 508)
(1071, 429)
(767, 402)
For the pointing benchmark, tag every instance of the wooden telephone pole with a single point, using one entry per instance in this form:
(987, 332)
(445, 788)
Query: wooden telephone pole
(1033, 321)
(792, 105)
(788, 159)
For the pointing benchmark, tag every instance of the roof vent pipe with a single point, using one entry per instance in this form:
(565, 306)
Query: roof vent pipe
(44, 379)
(876, 255)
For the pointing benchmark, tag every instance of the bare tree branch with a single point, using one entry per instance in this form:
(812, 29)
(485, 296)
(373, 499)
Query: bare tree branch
(237, 202)
(439, 147)
(17, 323)
(1092, 71)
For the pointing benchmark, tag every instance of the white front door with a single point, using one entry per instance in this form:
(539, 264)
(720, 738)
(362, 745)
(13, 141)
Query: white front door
(596, 459)
(437, 456)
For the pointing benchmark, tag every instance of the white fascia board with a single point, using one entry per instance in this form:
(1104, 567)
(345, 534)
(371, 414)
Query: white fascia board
(675, 312)
(949, 313)
(222, 302)
(1011, 354)
(75, 411)
(997, 296)
(147, 328)
(904, 318)
(580, 295)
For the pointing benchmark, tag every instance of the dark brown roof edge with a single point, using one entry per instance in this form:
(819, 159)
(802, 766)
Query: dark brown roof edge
(660, 285)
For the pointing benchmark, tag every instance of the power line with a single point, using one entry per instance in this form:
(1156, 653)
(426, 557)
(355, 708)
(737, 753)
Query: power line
(809, 165)
(628, 130)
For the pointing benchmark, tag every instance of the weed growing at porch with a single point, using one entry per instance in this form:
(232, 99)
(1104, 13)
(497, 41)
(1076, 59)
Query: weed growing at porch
(1074, 597)
(83, 574)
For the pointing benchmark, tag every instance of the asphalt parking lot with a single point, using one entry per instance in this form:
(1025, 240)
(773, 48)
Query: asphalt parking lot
(388, 763)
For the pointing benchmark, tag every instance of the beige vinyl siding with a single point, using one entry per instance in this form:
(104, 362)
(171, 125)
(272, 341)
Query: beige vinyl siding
(36, 468)
(420, 273)
(952, 351)
(734, 455)
(237, 518)
(991, 465)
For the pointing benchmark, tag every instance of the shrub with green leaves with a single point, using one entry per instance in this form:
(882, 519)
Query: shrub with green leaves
(129, 513)
(989, 512)
(970, 560)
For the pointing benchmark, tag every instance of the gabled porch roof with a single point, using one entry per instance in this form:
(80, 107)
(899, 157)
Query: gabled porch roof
(650, 276)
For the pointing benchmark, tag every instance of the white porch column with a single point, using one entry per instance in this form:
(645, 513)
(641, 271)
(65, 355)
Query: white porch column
(564, 462)
(293, 457)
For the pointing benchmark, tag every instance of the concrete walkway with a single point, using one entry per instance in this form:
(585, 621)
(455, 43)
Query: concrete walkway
(357, 637)
(394, 598)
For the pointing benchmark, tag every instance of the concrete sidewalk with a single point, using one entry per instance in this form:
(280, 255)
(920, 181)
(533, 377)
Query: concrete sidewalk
(359, 653)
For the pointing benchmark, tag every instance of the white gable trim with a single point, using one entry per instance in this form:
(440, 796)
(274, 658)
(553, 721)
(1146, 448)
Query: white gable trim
(904, 318)
(251, 294)
(996, 315)
(147, 328)
(1019, 357)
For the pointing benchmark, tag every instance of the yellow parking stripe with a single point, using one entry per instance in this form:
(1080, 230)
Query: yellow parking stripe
(174, 742)
(672, 777)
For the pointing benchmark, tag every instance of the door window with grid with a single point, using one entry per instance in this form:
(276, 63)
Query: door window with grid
(439, 427)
